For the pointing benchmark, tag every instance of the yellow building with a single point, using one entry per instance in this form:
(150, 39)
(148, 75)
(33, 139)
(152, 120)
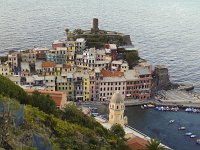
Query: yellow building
(61, 84)
(58, 69)
(70, 52)
(86, 88)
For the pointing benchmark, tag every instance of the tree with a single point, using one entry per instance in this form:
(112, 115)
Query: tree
(78, 31)
(118, 130)
(154, 144)
(66, 30)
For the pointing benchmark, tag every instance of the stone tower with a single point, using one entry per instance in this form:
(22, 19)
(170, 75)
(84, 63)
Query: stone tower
(161, 77)
(116, 109)
(95, 27)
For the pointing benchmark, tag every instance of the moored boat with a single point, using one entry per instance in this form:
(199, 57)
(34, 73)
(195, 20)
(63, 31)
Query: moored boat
(198, 141)
(193, 136)
(181, 128)
(188, 133)
(171, 121)
(150, 105)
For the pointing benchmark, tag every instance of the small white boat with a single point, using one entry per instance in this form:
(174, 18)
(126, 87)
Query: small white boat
(188, 133)
(182, 128)
(193, 136)
(198, 141)
(171, 121)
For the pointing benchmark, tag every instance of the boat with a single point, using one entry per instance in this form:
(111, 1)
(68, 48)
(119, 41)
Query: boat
(144, 106)
(171, 121)
(188, 133)
(182, 128)
(193, 136)
(150, 105)
(198, 141)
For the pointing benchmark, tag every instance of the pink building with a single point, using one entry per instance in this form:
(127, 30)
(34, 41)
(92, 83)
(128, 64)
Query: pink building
(138, 83)
(111, 81)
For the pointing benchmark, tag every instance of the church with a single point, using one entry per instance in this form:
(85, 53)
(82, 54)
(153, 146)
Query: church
(116, 110)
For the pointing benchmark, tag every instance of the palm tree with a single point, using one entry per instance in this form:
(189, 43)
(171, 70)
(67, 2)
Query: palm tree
(154, 144)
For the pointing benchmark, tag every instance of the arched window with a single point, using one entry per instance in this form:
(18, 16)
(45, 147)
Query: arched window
(117, 107)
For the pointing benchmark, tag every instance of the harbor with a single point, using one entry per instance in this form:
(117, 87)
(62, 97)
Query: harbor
(157, 124)
(180, 125)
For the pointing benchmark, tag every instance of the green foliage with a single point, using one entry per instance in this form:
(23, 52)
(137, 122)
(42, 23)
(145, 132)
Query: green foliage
(66, 30)
(3, 59)
(43, 102)
(74, 115)
(78, 31)
(10, 89)
(118, 130)
(154, 144)
(71, 129)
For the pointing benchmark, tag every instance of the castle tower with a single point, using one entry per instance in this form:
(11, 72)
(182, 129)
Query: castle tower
(95, 27)
(116, 109)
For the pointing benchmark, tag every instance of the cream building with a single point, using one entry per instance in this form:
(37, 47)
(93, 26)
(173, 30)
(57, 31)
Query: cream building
(116, 109)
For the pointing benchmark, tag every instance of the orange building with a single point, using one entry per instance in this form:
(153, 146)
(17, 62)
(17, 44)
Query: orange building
(60, 98)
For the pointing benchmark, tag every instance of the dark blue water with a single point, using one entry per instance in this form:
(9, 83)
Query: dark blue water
(156, 124)
(164, 31)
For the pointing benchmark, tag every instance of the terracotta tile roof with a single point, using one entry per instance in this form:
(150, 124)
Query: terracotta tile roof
(108, 73)
(67, 66)
(137, 143)
(55, 95)
(48, 64)
(57, 100)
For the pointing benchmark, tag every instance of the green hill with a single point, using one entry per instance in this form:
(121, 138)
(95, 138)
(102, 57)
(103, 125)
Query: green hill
(54, 129)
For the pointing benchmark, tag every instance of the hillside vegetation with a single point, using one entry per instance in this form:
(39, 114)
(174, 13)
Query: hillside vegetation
(47, 127)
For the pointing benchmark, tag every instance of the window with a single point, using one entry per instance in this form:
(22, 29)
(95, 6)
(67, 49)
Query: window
(117, 107)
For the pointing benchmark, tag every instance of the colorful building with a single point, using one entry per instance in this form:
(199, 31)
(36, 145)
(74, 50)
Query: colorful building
(48, 68)
(61, 84)
(86, 87)
(111, 81)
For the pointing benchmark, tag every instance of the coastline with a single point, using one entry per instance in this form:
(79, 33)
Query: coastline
(130, 131)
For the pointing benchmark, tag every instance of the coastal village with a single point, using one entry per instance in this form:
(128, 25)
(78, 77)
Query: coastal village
(73, 72)
(78, 72)
(82, 69)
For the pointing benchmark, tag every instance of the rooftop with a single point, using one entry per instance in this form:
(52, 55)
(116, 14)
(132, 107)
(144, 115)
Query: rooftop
(108, 73)
(142, 70)
(114, 79)
(48, 64)
(137, 143)
(55, 95)
(130, 75)
(80, 40)
(117, 98)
